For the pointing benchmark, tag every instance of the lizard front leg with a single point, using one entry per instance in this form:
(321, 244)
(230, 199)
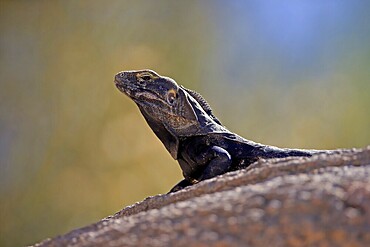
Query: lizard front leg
(181, 185)
(217, 160)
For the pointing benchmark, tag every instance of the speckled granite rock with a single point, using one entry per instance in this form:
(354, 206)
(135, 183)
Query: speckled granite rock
(318, 201)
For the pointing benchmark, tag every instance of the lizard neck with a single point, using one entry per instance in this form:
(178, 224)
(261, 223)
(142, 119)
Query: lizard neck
(205, 124)
(169, 139)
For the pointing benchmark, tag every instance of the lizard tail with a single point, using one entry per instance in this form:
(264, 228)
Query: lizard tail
(275, 152)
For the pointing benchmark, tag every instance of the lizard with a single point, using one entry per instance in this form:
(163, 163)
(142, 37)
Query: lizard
(184, 122)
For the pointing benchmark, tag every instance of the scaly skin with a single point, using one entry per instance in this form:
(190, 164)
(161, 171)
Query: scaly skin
(185, 124)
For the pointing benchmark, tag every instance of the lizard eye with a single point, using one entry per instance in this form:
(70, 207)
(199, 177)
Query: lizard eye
(171, 97)
(146, 77)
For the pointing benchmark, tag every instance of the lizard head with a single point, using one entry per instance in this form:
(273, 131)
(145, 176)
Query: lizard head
(164, 105)
(146, 86)
(159, 96)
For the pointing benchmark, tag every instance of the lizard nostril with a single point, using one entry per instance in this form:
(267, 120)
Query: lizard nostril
(119, 75)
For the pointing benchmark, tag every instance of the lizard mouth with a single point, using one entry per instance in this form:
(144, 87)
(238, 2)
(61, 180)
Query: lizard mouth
(120, 86)
(136, 93)
(124, 88)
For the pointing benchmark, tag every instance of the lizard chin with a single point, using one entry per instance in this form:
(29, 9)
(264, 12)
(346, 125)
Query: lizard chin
(124, 89)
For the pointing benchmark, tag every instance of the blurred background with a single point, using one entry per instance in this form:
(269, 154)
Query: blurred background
(73, 149)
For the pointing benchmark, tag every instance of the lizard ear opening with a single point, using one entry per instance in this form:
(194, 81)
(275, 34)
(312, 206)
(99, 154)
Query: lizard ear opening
(187, 110)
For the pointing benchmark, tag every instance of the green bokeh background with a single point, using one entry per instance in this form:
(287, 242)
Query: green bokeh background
(74, 150)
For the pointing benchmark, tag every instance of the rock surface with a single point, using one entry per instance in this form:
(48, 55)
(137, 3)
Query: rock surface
(323, 200)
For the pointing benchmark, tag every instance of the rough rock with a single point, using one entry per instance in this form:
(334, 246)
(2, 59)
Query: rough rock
(323, 200)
